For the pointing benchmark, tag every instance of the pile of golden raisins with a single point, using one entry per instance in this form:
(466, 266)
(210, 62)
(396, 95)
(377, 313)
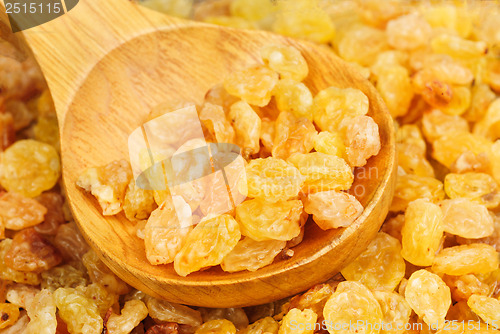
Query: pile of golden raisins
(285, 171)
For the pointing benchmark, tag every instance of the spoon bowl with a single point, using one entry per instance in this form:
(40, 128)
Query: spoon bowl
(107, 63)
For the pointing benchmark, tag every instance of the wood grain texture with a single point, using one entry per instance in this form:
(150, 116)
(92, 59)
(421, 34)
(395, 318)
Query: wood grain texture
(109, 62)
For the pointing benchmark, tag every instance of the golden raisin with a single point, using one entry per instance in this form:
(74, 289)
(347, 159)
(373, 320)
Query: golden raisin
(261, 220)
(422, 232)
(333, 106)
(322, 172)
(29, 167)
(273, 179)
(207, 244)
(466, 259)
(332, 209)
(352, 303)
(380, 266)
(285, 60)
(428, 296)
(292, 135)
(253, 85)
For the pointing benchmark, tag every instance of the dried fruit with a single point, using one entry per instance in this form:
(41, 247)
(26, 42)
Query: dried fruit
(272, 179)
(352, 303)
(412, 162)
(54, 216)
(99, 273)
(458, 47)
(297, 321)
(19, 326)
(330, 143)
(217, 95)
(294, 97)
(489, 125)
(261, 220)
(410, 135)
(389, 59)
(462, 287)
(207, 244)
(221, 326)
(166, 328)
(108, 184)
(78, 312)
(18, 212)
(478, 187)
(292, 135)
(30, 252)
(481, 97)
(362, 140)
(314, 299)
(20, 294)
(462, 312)
(9, 313)
(361, 44)
(186, 176)
(9, 274)
(252, 10)
(70, 242)
(435, 124)
(103, 298)
(167, 230)
(267, 133)
(133, 312)
(29, 167)
(436, 93)
(465, 218)
(251, 255)
(451, 145)
(46, 130)
(380, 266)
(138, 203)
(235, 315)
(264, 325)
(487, 308)
(247, 126)
(408, 32)
(163, 311)
(395, 311)
(304, 20)
(449, 18)
(394, 85)
(460, 101)
(42, 313)
(495, 157)
(65, 276)
(214, 118)
(466, 259)
(253, 85)
(412, 187)
(227, 184)
(422, 232)
(470, 162)
(332, 209)
(393, 226)
(322, 172)
(334, 106)
(428, 296)
(7, 131)
(21, 112)
(287, 61)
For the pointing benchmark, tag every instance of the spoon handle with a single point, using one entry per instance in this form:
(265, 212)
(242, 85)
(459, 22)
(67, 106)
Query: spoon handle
(68, 47)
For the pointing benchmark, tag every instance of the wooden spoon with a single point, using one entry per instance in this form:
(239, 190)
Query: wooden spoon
(107, 63)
